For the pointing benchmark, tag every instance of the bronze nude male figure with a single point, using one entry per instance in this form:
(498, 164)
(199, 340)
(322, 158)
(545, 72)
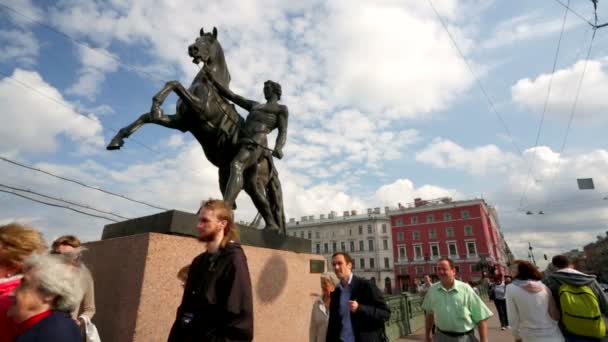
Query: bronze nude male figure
(236, 146)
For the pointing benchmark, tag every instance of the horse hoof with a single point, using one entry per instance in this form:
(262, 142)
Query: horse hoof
(115, 144)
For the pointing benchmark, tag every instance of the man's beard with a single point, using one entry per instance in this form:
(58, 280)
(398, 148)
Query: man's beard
(208, 236)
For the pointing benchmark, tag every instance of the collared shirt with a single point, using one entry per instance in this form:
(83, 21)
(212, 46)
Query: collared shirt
(346, 335)
(458, 309)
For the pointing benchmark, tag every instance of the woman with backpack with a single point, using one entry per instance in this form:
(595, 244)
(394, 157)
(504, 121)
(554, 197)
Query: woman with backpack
(532, 311)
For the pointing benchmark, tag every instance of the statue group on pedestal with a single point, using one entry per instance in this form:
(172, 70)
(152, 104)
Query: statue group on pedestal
(237, 146)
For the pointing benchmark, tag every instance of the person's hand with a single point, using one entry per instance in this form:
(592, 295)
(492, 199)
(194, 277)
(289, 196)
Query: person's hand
(353, 305)
(277, 153)
(77, 321)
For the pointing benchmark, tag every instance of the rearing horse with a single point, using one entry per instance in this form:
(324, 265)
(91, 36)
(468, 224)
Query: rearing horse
(215, 124)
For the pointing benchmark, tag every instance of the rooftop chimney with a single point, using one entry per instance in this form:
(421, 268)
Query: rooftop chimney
(369, 211)
(353, 213)
(376, 210)
(346, 213)
(292, 220)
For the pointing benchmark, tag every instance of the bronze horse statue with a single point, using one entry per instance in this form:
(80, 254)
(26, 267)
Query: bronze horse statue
(216, 125)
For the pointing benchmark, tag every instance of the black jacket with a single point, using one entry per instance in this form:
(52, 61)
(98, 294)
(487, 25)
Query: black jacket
(368, 321)
(58, 326)
(217, 305)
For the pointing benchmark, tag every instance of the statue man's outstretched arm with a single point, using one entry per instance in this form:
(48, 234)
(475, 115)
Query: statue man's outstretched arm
(282, 118)
(228, 94)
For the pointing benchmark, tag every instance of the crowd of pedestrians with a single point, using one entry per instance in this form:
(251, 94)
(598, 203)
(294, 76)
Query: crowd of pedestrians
(48, 295)
(44, 295)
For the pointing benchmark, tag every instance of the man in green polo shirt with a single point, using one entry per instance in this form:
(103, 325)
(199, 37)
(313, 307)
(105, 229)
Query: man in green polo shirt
(455, 308)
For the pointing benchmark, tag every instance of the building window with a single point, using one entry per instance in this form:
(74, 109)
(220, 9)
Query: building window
(360, 230)
(369, 229)
(361, 246)
(384, 228)
(370, 244)
(419, 269)
(352, 246)
(325, 248)
(468, 230)
(465, 214)
(447, 216)
(399, 222)
(471, 248)
(362, 262)
(294, 233)
(318, 248)
(449, 232)
(452, 251)
(415, 235)
(402, 255)
(457, 268)
(385, 244)
(350, 232)
(435, 251)
(317, 235)
(400, 236)
(302, 234)
(334, 247)
(372, 263)
(418, 252)
(433, 269)
(414, 220)
(333, 234)
(429, 218)
(343, 246)
(432, 234)
(309, 235)
(387, 263)
(475, 268)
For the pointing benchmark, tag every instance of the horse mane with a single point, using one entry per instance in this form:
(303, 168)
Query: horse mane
(220, 61)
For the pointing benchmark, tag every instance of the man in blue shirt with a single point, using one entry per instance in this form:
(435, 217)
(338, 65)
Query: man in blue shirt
(357, 310)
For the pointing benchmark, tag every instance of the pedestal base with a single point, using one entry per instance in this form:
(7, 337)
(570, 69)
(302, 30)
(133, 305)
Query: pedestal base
(137, 291)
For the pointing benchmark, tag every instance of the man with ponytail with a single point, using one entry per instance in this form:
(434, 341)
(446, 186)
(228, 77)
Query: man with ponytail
(217, 304)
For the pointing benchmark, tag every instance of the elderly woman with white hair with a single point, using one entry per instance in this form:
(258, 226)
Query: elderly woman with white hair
(320, 310)
(50, 289)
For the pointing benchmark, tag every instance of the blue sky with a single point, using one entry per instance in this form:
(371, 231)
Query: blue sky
(382, 107)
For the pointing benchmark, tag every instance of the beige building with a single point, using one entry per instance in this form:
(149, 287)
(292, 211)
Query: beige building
(365, 236)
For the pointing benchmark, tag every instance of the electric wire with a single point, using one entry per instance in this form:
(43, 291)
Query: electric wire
(542, 116)
(102, 52)
(567, 7)
(477, 81)
(63, 200)
(81, 183)
(56, 205)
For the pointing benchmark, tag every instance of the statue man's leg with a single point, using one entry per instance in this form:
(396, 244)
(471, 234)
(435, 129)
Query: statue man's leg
(235, 182)
(256, 192)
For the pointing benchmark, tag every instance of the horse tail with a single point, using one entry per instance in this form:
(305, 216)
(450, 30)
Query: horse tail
(275, 199)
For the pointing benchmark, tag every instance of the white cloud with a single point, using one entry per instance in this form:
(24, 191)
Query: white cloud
(35, 117)
(531, 93)
(17, 45)
(525, 27)
(96, 62)
(23, 13)
(443, 153)
(403, 191)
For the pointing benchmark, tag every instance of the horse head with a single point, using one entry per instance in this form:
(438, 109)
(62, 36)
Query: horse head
(205, 47)
(208, 50)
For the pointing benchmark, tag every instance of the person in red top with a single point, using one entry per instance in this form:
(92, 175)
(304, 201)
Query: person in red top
(49, 290)
(17, 242)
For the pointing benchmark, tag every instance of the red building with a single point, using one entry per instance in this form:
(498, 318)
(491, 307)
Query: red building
(467, 232)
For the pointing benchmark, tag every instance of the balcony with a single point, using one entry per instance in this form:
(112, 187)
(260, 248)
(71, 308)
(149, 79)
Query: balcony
(401, 261)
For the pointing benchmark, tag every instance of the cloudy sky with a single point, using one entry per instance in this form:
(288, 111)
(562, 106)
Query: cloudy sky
(383, 107)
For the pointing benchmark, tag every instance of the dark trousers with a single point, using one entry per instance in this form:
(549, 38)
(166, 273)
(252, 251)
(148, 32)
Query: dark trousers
(501, 307)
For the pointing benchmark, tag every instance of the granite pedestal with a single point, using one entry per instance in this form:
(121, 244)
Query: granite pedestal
(137, 291)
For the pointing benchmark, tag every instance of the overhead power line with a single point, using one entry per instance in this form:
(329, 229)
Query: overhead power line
(56, 205)
(567, 7)
(542, 116)
(62, 200)
(81, 183)
(75, 41)
(477, 81)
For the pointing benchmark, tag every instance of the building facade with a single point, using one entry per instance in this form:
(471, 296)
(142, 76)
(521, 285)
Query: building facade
(366, 237)
(597, 258)
(466, 231)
